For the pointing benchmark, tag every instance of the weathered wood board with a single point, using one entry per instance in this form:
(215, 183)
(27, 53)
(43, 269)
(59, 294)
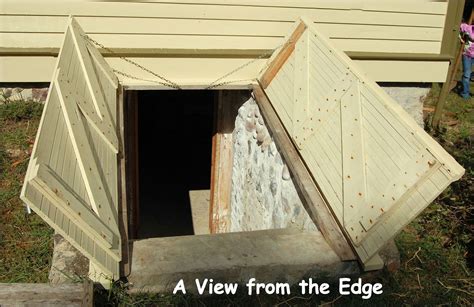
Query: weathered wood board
(48, 295)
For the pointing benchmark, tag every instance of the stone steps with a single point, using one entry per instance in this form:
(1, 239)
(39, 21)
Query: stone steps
(284, 255)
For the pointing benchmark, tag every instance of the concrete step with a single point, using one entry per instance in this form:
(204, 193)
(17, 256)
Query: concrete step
(283, 255)
(200, 200)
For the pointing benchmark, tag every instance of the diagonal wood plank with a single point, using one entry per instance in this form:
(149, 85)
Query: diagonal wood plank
(109, 83)
(398, 190)
(88, 165)
(283, 54)
(103, 128)
(92, 82)
(99, 59)
(73, 205)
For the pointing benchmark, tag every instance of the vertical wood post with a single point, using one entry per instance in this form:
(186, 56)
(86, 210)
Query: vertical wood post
(226, 110)
(459, 56)
(442, 97)
(130, 118)
(125, 264)
(450, 44)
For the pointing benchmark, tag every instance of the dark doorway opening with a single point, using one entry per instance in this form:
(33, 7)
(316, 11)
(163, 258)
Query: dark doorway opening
(174, 144)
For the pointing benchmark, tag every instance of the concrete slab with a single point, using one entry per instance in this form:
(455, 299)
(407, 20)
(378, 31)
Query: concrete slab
(200, 200)
(285, 255)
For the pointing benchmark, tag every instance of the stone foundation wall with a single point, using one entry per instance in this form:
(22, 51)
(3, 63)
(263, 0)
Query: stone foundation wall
(13, 94)
(409, 97)
(263, 193)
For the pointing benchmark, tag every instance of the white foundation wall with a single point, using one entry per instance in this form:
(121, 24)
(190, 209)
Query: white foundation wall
(410, 97)
(263, 195)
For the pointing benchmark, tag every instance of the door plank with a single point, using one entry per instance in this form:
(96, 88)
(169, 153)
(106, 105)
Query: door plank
(86, 161)
(76, 208)
(353, 158)
(313, 200)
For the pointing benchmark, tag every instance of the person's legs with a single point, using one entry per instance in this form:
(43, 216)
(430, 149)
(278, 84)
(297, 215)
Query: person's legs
(466, 76)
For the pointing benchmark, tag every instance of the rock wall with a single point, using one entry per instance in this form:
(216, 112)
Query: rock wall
(263, 193)
(12, 94)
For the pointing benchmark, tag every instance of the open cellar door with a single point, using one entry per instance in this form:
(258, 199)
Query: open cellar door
(71, 181)
(375, 167)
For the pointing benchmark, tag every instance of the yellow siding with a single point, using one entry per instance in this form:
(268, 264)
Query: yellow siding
(202, 71)
(406, 71)
(235, 28)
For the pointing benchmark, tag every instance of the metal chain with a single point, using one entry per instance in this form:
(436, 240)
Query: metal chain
(266, 54)
(143, 79)
(166, 82)
(227, 82)
(172, 84)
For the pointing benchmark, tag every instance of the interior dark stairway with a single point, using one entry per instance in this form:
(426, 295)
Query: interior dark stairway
(175, 144)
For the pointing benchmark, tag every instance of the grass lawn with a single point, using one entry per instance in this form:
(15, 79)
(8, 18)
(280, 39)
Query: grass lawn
(436, 249)
(25, 240)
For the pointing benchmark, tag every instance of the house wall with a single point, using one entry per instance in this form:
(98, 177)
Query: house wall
(203, 39)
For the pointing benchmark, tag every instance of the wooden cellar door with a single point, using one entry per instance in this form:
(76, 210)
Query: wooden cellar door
(71, 181)
(376, 168)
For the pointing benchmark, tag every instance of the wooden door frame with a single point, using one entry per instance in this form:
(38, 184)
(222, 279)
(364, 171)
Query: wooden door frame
(128, 189)
(130, 109)
(219, 205)
(227, 103)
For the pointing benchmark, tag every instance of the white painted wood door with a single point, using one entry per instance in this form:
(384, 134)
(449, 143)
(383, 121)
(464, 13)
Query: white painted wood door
(71, 181)
(376, 168)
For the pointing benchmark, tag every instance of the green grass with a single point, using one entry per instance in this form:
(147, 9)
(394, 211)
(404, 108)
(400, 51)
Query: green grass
(25, 240)
(436, 249)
